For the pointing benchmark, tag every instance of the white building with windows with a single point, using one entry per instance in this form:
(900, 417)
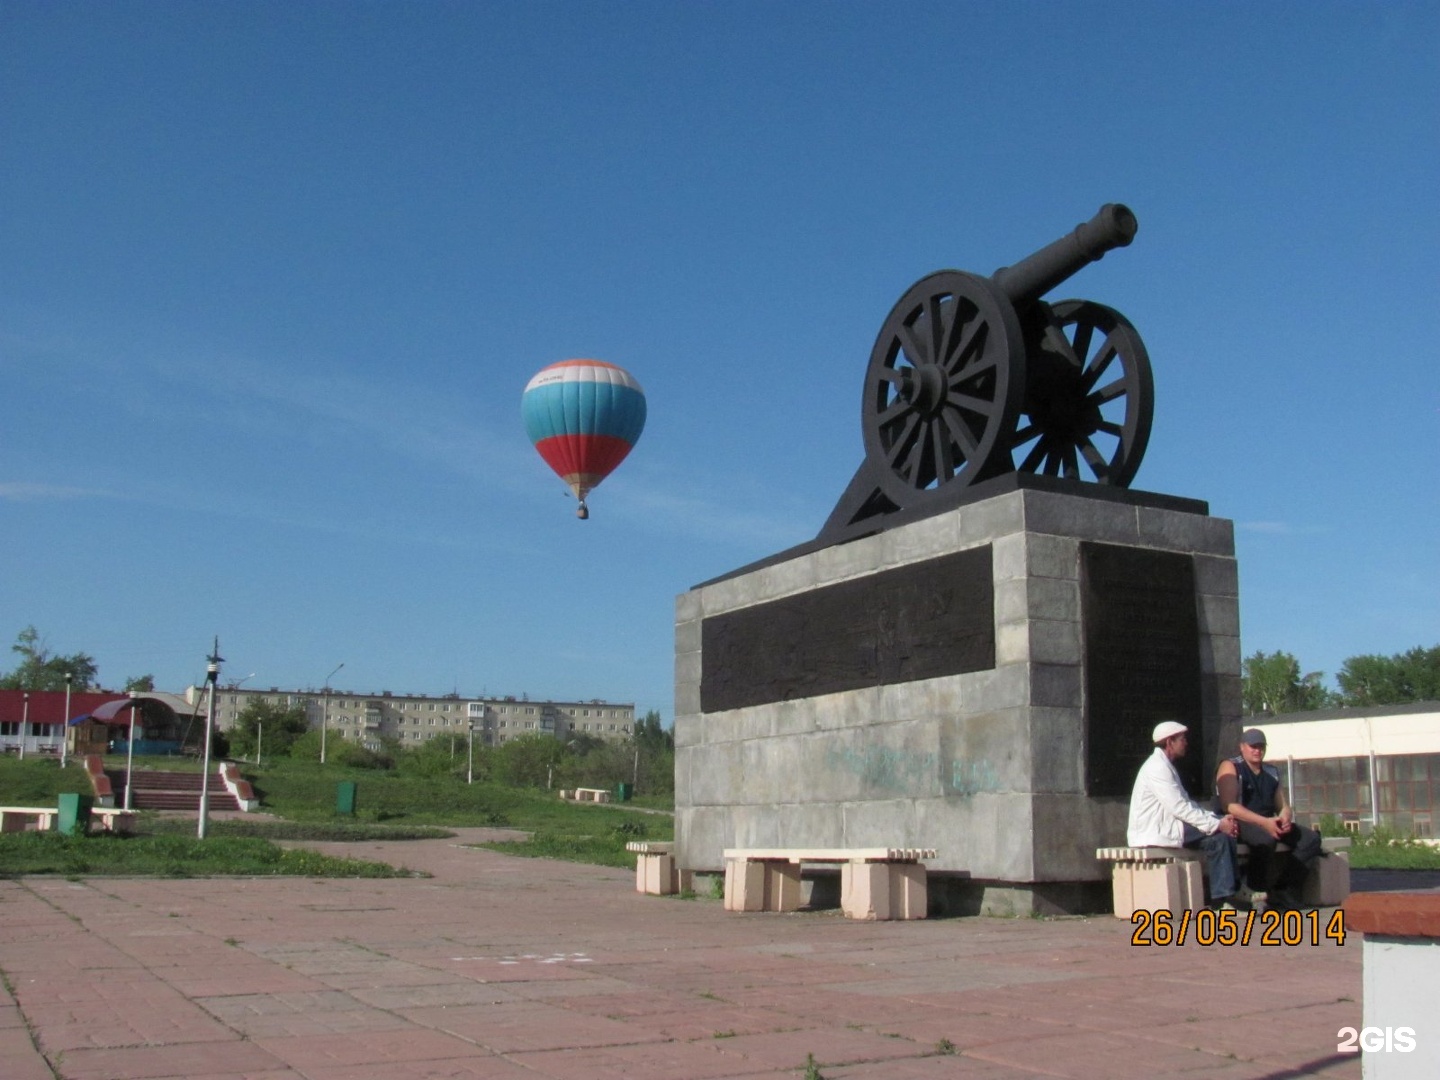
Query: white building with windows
(414, 718)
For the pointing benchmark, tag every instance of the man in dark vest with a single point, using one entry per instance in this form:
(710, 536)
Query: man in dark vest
(1250, 791)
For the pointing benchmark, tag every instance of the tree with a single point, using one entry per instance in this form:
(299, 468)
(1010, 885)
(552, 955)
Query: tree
(1391, 680)
(527, 760)
(273, 729)
(649, 735)
(1273, 684)
(141, 684)
(41, 670)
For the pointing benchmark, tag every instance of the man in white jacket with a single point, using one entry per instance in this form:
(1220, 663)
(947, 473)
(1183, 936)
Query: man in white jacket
(1163, 815)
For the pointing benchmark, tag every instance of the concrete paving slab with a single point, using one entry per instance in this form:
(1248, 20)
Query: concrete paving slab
(502, 968)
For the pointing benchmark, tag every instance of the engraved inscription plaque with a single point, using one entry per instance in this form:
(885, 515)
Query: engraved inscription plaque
(914, 622)
(1142, 661)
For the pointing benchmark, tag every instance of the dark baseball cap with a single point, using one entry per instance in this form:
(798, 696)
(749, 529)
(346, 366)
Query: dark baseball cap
(1253, 737)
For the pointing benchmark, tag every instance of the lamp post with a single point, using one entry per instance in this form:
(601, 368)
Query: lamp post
(65, 727)
(470, 755)
(325, 710)
(212, 676)
(24, 723)
(130, 752)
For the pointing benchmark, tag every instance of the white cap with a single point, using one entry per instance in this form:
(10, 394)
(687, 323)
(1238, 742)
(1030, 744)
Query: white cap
(1166, 729)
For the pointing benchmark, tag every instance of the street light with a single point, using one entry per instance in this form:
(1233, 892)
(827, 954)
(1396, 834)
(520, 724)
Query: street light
(470, 755)
(212, 676)
(325, 710)
(65, 727)
(24, 724)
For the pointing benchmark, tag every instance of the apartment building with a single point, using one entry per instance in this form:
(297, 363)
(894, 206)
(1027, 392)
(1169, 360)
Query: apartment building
(414, 718)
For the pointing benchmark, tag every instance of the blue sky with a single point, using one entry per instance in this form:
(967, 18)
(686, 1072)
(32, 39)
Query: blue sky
(274, 275)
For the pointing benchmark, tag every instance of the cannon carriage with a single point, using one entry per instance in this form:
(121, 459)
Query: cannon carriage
(972, 378)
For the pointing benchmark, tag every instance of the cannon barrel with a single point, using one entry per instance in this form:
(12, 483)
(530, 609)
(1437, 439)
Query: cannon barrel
(1031, 278)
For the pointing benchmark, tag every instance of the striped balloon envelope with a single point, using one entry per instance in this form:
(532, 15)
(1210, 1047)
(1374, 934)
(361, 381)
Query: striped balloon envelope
(584, 416)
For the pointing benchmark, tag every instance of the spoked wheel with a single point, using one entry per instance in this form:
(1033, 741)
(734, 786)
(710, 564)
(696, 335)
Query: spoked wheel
(1089, 397)
(944, 387)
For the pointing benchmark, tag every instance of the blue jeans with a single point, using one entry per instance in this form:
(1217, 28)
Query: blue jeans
(1220, 860)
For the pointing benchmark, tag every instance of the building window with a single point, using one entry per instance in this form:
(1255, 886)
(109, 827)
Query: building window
(9, 727)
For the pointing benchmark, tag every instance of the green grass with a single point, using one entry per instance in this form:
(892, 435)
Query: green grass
(173, 856)
(291, 830)
(1385, 852)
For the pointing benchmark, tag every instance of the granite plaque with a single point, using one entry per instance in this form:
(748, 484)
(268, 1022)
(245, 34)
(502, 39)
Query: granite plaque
(1142, 662)
(920, 621)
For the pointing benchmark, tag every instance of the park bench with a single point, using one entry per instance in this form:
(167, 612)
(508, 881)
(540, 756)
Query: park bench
(655, 871)
(27, 818)
(1155, 878)
(113, 820)
(586, 794)
(875, 883)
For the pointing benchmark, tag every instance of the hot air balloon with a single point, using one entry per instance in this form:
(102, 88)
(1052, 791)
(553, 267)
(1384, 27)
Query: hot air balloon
(583, 416)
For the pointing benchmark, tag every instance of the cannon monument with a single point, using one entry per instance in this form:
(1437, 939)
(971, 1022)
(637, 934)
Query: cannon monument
(971, 653)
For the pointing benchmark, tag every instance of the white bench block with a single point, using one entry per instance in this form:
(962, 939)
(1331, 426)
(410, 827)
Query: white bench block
(744, 885)
(655, 874)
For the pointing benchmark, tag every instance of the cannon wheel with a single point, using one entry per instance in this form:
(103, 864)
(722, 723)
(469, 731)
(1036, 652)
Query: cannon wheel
(1090, 397)
(944, 387)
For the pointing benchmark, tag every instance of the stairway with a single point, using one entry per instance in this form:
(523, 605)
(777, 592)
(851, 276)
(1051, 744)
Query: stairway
(160, 790)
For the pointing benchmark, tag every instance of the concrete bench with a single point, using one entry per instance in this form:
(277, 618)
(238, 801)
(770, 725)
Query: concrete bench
(875, 883)
(27, 818)
(112, 820)
(591, 794)
(655, 871)
(1156, 878)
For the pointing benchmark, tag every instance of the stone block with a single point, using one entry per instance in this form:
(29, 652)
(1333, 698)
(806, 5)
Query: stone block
(849, 709)
(1055, 685)
(1218, 615)
(687, 636)
(841, 562)
(756, 826)
(759, 586)
(984, 752)
(1012, 642)
(798, 717)
(984, 522)
(909, 896)
(876, 823)
(715, 774)
(782, 886)
(1082, 519)
(1053, 598)
(807, 825)
(1001, 688)
(1216, 575)
(1009, 559)
(865, 890)
(1220, 654)
(1057, 754)
(1012, 602)
(1053, 556)
(702, 833)
(687, 668)
(1175, 530)
(1174, 887)
(689, 729)
(1328, 883)
(688, 607)
(687, 699)
(744, 885)
(655, 874)
(1053, 642)
(920, 540)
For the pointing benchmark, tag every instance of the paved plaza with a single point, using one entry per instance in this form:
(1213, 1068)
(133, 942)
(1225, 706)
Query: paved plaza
(501, 968)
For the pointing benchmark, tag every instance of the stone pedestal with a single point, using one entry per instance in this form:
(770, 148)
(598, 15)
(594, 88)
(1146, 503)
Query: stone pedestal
(982, 682)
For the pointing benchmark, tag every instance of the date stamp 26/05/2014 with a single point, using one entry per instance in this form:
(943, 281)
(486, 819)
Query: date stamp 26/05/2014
(1207, 927)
